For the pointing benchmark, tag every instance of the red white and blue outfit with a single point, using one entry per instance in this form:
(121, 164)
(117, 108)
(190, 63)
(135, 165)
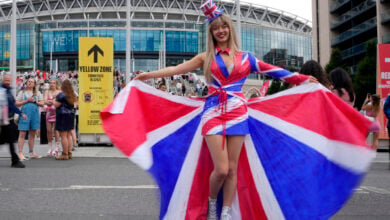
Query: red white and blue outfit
(304, 151)
(225, 111)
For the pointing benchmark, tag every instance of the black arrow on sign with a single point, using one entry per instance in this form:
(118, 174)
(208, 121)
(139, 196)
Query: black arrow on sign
(95, 50)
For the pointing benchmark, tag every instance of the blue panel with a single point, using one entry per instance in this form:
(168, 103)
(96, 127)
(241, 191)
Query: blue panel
(165, 170)
(305, 183)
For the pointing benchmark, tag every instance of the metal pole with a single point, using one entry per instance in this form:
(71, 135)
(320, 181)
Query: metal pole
(34, 50)
(238, 13)
(13, 48)
(128, 41)
(88, 25)
(51, 56)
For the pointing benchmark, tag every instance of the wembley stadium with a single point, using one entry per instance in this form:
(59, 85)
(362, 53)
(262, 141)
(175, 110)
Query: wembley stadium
(48, 32)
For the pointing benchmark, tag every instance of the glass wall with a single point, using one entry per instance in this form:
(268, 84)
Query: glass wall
(141, 40)
(24, 42)
(262, 41)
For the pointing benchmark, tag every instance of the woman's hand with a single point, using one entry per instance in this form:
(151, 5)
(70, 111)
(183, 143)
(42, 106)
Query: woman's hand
(312, 79)
(31, 99)
(24, 116)
(142, 76)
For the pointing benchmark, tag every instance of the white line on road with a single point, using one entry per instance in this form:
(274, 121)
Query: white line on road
(376, 190)
(82, 187)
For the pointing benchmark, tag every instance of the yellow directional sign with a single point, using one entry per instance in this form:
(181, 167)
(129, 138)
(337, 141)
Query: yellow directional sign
(96, 81)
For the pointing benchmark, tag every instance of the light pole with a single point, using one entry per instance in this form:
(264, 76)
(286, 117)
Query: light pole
(238, 13)
(128, 41)
(13, 51)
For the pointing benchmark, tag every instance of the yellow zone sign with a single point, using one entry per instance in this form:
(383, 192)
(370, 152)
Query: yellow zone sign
(96, 59)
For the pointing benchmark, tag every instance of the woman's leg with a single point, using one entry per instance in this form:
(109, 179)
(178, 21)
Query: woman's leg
(50, 130)
(22, 135)
(220, 161)
(375, 142)
(74, 138)
(31, 142)
(234, 145)
(31, 139)
(64, 142)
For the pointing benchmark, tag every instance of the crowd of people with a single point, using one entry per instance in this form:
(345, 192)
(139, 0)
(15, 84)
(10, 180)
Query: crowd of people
(45, 107)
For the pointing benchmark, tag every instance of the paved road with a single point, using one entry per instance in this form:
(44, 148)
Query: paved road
(114, 188)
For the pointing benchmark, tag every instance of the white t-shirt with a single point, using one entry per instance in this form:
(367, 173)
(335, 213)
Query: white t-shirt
(24, 95)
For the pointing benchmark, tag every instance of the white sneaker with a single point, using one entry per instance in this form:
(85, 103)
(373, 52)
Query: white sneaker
(212, 210)
(225, 214)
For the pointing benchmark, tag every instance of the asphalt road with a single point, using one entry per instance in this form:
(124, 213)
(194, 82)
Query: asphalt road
(114, 188)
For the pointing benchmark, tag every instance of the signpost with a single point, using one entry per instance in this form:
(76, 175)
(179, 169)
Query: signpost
(96, 84)
(383, 82)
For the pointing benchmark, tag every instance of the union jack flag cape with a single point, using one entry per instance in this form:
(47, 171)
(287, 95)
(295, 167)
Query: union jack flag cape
(305, 153)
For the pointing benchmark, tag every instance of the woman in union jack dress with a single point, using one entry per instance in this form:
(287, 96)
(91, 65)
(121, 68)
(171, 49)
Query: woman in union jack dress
(284, 168)
(225, 117)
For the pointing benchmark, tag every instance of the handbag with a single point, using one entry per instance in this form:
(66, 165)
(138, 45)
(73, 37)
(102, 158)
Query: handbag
(16, 119)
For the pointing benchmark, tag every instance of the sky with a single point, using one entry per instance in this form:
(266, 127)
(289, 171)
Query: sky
(301, 8)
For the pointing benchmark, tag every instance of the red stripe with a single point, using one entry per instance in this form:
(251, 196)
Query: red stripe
(296, 79)
(228, 116)
(329, 110)
(198, 198)
(248, 196)
(143, 113)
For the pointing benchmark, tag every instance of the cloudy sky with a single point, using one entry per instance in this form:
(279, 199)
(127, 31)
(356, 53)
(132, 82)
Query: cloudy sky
(301, 8)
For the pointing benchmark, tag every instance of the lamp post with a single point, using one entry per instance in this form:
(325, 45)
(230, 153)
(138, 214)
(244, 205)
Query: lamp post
(13, 51)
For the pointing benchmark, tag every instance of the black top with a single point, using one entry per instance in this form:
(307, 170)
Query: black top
(65, 107)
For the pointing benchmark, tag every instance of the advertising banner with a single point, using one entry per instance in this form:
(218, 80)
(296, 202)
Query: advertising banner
(96, 81)
(383, 82)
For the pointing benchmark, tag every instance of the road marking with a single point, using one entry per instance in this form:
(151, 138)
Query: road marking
(376, 190)
(82, 187)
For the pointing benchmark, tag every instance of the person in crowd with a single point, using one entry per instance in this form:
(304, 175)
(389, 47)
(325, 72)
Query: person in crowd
(183, 89)
(313, 68)
(9, 131)
(162, 87)
(341, 85)
(49, 98)
(29, 100)
(386, 110)
(372, 110)
(224, 145)
(65, 112)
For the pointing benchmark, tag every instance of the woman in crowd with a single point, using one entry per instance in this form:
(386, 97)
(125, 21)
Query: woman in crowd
(29, 99)
(312, 68)
(372, 107)
(64, 104)
(342, 85)
(49, 97)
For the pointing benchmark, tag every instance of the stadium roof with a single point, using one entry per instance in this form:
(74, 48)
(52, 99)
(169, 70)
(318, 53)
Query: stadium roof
(173, 10)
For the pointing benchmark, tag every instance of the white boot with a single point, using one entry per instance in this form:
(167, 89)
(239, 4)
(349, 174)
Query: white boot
(212, 210)
(225, 214)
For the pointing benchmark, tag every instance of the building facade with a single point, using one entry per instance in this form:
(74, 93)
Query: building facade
(348, 25)
(48, 32)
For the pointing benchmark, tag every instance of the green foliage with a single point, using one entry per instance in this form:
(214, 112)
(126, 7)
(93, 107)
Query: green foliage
(365, 79)
(336, 60)
(274, 88)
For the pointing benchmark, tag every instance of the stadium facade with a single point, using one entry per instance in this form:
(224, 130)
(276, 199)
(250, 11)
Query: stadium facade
(48, 32)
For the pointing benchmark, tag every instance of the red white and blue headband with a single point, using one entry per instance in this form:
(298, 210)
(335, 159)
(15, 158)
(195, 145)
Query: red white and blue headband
(211, 11)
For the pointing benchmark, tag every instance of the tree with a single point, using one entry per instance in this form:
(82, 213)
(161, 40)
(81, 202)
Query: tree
(336, 60)
(365, 79)
(274, 88)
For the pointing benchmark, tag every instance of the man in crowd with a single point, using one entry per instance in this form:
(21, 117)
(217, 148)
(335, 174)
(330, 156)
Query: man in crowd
(9, 132)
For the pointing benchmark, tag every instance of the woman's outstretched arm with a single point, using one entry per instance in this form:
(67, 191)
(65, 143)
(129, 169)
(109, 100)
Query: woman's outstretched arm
(193, 64)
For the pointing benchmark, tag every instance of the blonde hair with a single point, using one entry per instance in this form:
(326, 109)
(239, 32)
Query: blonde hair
(211, 43)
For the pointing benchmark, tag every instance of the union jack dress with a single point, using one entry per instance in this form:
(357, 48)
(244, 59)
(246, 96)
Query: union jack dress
(303, 155)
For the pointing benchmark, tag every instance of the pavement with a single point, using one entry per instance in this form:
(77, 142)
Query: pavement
(82, 151)
(113, 152)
